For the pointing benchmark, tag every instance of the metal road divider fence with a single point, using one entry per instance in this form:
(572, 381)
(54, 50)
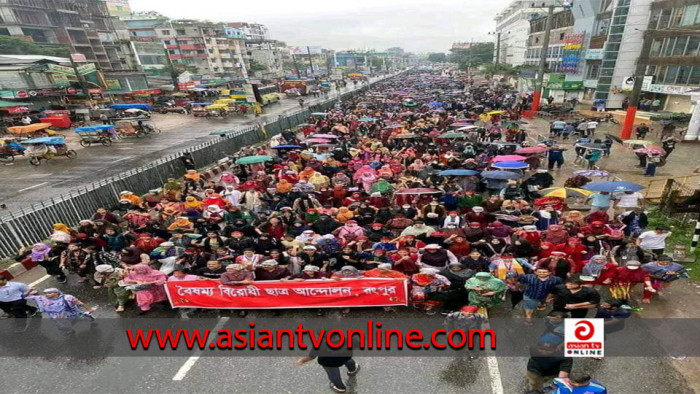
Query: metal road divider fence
(33, 224)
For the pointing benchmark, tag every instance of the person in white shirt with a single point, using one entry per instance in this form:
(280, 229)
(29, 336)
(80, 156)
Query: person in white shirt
(654, 241)
(232, 195)
(590, 128)
(627, 201)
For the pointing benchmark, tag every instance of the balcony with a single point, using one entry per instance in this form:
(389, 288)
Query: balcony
(171, 46)
(191, 47)
(597, 42)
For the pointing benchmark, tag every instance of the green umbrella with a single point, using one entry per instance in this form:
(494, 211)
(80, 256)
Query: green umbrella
(253, 159)
(382, 186)
(453, 135)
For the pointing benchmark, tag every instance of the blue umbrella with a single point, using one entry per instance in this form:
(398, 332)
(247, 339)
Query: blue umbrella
(458, 172)
(393, 126)
(435, 104)
(286, 147)
(511, 165)
(367, 119)
(592, 173)
(500, 175)
(613, 186)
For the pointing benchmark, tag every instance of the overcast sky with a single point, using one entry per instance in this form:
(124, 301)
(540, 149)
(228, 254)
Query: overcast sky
(415, 25)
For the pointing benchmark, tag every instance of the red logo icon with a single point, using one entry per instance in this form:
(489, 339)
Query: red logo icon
(584, 330)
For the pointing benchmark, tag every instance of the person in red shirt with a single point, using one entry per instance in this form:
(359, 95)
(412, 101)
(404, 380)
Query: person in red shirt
(627, 277)
(531, 235)
(458, 245)
(559, 265)
(576, 252)
(405, 261)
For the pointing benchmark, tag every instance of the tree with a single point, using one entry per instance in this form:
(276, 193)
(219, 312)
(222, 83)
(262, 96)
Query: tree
(474, 56)
(437, 57)
(499, 69)
(19, 46)
(255, 66)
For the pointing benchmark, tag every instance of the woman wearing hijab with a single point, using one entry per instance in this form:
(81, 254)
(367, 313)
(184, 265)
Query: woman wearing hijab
(63, 309)
(485, 290)
(147, 285)
(109, 277)
(428, 289)
(41, 254)
(598, 271)
(457, 294)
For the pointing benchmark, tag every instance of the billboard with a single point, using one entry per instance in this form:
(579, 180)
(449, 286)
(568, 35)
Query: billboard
(304, 50)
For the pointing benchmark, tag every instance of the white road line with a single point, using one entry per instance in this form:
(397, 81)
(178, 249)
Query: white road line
(182, 372)
(36, 282)
(31, 187)
(492, 364)
(122, 159)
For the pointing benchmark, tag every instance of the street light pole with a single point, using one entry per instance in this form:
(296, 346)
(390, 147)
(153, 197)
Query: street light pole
(498, 46)
(639, 72)
(537, 97)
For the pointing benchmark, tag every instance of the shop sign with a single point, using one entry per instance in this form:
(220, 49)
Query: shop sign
(556, 81)
(60, 69)
(594, 54)
(590, 83)
(573, 85)
(670, 89)
(113, 84)
(86, 69)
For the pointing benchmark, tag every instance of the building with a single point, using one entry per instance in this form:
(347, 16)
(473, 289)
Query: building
(513, 24)
(562, 27)
(269, 57)
(254, 32)
(623, 22)
(148, 49)
(85, 27)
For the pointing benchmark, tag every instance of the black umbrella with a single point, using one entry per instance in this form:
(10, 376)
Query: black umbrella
(614, 138)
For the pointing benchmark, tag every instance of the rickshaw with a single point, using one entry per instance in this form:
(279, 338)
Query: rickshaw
(101, 134)
(217, 110)
(9, 148)
(46, 148)
(199, 109)
(58, 118)
(137, 127)
(33, 130)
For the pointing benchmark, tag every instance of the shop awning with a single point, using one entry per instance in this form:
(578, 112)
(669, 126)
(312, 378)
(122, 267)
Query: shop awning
(5, 104)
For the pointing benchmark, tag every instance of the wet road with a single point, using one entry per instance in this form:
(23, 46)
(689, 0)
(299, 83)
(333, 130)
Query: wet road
(281, 375)
(26, 184)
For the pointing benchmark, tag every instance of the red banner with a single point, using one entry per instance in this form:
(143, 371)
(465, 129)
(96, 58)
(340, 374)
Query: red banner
(288, 294)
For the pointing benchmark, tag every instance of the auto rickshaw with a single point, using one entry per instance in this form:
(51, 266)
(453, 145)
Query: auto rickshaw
(46, 148)
(135, 127)
(32, 130)
(101, 134)
(199, 109)
(217, 110)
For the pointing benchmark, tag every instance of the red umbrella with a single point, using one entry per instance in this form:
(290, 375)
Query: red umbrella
(509, 158)
(532, 149)
(420, 190)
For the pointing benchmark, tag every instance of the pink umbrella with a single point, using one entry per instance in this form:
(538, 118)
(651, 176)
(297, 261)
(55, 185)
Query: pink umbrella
(509, 158)
(532, 149)
(318, 141)
(326, 136)
(461, 124)
(651, 150)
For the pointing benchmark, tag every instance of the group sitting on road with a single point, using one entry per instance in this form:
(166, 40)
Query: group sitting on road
(390, 191)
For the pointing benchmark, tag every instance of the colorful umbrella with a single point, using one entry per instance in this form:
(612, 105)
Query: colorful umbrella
(253, 159)
(453, 135)
(465, 128)
(286, 147)
(393, 126)
(420, 190)
(613, 186)
(324, 145)
(592, 173)
(318, 141)
(532, 149)
(406, 135)
(564, 192)
(503, 175)
(305, 125)
(511, 165)
(319, 114)
(368, 119)
(459, 172)
(637, 142)
(650, 150)
(508, 158)
(462, 124)
(325, 136)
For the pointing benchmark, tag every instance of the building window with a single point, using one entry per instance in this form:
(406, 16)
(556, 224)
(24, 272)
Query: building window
(165, 32)
(593, 71)
(694, 76)
(676, 16)
(683, 74)
(691, 15)
(561, 36)
(671, 74)
(692, 48)
(180, 32)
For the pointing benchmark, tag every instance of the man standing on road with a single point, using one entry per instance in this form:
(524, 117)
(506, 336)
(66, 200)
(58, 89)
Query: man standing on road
(654, 241)
(600, 201)
(545, 364)
(12, 299)
(556, 156)
(575, 299)
(538, 287)
(590, 128)
(331, 361)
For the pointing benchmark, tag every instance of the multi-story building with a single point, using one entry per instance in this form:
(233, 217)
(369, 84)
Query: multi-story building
(513, 24)
(83, 26)
(562, 24)
(254, 32)
(268, 55)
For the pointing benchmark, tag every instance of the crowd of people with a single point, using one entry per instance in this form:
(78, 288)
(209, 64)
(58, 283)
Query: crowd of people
(377, 188)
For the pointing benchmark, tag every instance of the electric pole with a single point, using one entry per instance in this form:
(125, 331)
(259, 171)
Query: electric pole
(311, 64)
(639, 72)
(498, 46)
(543, 61)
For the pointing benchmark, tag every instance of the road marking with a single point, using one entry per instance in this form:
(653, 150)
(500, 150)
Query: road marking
(31, 187)
(36, 282)
(182, 372)
(492, 364)
(122, 159)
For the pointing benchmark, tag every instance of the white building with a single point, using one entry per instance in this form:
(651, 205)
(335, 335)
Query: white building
(513, 22)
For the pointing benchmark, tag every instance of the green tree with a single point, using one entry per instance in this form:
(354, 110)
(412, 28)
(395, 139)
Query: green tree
(478, 54)
(255, 66)
(437, 57)
(499, 69)
(18, 46)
